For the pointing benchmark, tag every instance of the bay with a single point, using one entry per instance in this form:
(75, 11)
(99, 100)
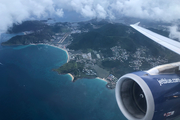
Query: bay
(30, 90)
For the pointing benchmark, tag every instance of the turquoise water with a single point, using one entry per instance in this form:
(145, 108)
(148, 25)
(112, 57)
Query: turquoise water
(30, 90)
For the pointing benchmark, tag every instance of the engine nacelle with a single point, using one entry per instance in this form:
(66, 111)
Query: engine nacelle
(150, 95)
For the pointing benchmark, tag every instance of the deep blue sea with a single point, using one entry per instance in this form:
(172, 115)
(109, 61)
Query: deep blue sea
(30, 90)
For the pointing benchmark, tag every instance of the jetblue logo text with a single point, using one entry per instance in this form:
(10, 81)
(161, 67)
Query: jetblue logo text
(168, 81)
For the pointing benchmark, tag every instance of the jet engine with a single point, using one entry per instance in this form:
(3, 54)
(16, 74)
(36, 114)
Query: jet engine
(150, 95)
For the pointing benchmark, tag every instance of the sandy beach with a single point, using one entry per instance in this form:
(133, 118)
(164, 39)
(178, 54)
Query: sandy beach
(103, 79)
(71, 76)
(56, 47)
(63, 50)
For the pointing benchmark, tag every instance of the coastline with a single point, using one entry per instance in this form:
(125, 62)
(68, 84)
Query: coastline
(63, 50)
(73, 80)
(71, 76)
(68, 57)
(103, 79)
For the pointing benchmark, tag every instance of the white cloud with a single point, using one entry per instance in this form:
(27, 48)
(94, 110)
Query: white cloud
(161, 10)
(86, 11)
(101, 13)
(60, 12)
(15, 11)
(174, 33)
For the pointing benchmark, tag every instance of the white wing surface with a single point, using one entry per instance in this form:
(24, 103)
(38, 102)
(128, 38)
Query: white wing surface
(164, 41)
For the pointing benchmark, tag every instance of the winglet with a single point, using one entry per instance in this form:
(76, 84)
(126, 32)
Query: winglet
(136, 24)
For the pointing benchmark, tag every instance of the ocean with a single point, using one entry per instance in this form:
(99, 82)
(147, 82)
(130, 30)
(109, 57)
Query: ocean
(30, 90)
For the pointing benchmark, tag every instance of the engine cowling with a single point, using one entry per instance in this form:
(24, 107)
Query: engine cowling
(150, 95)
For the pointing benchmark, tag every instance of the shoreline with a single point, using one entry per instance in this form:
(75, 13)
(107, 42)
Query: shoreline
(103, 79)
(56, 47)
(73, 80)
(72, 77)
(64, 51)
(68, 57)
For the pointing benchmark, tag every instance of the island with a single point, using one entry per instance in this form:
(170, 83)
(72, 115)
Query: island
(96, 49)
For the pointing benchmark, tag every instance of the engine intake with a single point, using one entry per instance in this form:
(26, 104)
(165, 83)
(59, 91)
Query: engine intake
(134, 98)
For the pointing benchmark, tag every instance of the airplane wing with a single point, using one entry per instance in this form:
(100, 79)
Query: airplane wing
(164, 41)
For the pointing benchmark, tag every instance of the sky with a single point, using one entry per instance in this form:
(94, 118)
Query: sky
(16, 11)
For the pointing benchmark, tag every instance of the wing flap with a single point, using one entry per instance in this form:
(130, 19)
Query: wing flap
(164, 41)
